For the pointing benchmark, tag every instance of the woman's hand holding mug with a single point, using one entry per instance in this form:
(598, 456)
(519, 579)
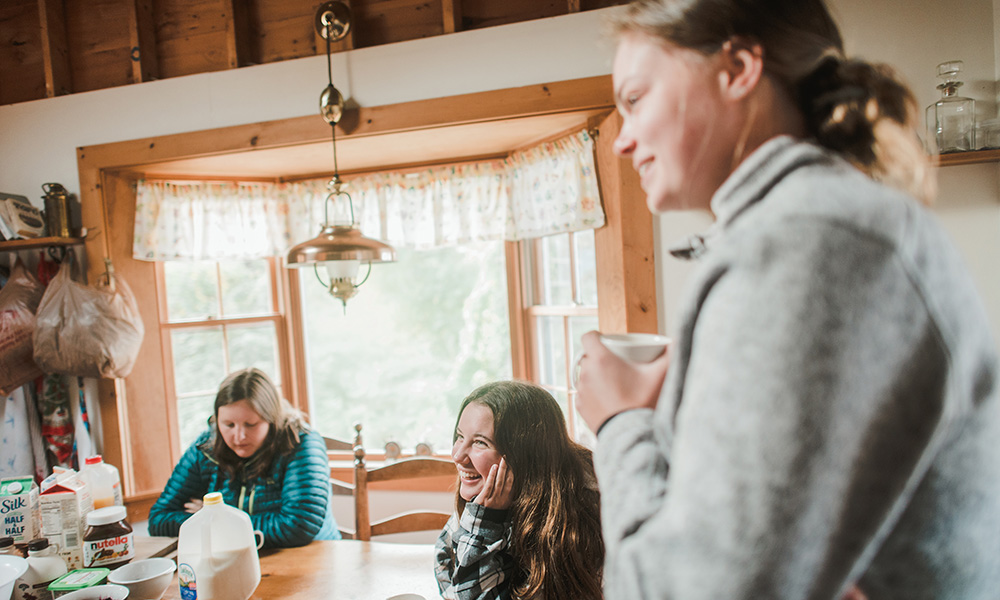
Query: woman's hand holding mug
(618, 373)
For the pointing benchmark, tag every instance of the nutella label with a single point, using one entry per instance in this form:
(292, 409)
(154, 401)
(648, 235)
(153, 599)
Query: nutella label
(109, 551)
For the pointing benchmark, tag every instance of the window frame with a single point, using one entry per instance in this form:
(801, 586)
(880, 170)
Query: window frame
(277, 317)
(534, 306)
(526, 303)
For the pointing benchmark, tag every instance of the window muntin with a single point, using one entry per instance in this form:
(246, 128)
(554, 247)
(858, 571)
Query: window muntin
(221, 318)
(561, 307)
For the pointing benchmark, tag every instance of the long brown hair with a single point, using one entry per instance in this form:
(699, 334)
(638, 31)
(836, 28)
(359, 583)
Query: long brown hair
(286, 423)
(858, 109)
(557, 541)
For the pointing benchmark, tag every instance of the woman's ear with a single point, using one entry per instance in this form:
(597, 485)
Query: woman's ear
(741, 68)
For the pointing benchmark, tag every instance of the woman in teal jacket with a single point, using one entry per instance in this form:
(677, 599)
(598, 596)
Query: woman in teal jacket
(260, 453)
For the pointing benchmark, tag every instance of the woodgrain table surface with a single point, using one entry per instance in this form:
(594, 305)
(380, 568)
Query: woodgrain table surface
(343, 570)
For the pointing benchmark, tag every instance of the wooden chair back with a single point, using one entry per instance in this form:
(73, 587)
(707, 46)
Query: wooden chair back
(333, 445)
(407, 468)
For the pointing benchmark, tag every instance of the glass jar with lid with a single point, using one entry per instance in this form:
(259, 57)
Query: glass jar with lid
(951, 120)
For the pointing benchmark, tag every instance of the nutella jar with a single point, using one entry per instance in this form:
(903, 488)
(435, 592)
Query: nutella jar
(109, 541)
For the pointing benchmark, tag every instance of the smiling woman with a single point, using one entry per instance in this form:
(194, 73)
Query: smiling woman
(830, 324)
(527, 523)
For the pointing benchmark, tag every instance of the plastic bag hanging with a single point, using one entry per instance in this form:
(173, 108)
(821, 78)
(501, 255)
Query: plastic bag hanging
(19, 300)
(89, 331)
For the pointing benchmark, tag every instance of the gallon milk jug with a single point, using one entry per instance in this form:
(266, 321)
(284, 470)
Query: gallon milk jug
(217, 553)
(44, 566)
(103, 482)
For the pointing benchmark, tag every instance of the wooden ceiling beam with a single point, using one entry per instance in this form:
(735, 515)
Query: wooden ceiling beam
(241, 34)
(142, 41)
(451, 12)
(55, 48)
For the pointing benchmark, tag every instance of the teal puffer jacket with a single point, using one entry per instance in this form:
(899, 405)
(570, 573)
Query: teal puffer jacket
(290, 504)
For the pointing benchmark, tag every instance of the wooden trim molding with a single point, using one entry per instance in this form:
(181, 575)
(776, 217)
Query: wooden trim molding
(626, 275)
(550, 98)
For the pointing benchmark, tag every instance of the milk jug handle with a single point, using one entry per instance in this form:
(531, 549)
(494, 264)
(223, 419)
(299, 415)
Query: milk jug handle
(261, 541)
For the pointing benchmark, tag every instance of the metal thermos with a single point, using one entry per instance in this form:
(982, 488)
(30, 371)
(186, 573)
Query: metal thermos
(56, 209)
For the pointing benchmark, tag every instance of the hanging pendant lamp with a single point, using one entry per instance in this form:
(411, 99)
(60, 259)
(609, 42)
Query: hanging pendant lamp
(339, 247)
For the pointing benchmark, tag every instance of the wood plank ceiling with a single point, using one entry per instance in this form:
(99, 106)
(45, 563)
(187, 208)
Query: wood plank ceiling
(54, 47)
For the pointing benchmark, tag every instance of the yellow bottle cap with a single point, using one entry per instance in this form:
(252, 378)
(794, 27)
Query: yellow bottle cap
(213, 498)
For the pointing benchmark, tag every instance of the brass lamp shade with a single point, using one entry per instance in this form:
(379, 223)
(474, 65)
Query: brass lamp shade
(339, 242)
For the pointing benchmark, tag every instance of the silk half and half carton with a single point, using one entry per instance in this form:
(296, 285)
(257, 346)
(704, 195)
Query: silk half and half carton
(20, 510)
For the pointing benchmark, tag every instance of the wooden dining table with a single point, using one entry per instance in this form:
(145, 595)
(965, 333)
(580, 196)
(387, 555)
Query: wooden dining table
(343, 570)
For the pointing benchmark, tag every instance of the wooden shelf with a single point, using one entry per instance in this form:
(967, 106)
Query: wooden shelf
(43, 242)
(969, 158)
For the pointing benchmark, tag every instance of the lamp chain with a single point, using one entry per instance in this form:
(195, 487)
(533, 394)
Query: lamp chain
(335, 183)
(329, 77)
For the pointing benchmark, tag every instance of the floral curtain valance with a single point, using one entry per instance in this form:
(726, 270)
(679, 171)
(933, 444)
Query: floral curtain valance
(551, 188)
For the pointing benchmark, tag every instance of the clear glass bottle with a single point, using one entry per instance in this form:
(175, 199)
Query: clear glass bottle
(951, 120)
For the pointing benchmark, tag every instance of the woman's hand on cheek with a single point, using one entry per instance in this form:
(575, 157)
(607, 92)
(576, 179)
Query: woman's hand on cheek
(607, 385)
(498, 487)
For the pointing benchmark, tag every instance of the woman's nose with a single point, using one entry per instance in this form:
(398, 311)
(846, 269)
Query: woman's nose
(458, 452)
(624, 142)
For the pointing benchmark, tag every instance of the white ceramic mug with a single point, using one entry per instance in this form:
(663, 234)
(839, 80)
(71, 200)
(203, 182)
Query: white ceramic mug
(636, 347)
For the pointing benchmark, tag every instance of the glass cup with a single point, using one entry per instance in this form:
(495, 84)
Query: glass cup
(988, 134)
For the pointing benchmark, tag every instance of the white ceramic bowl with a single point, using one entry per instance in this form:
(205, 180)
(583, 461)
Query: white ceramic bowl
(98, 592)
(11, 567)
(146, 579)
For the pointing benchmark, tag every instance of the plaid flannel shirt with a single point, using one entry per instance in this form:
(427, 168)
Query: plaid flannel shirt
(473, 555)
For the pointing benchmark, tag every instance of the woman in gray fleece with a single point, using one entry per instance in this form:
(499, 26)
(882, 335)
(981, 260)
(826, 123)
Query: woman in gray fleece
(829, 417)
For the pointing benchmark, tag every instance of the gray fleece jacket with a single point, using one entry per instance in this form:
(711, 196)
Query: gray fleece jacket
(831, 414)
